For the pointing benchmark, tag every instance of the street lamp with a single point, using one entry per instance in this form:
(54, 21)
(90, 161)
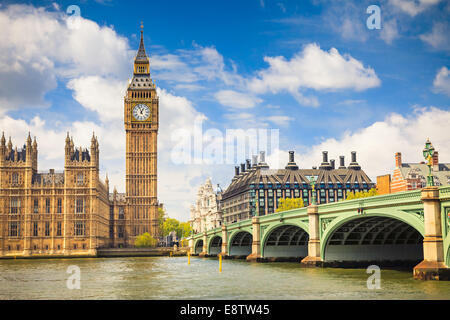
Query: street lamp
(428, 152)
(312, 182)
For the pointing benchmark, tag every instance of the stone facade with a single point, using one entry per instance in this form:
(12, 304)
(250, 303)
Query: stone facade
(54, 213)
(206, 214)
(256, 190)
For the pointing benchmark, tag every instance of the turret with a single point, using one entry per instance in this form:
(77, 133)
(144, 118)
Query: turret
(28, 149)
(94, 150)
(67, 148)
(2, 148)
(9, 145)
(107, 182)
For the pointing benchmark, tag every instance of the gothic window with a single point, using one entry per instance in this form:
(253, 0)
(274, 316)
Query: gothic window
(80, 228)
(35, 229)
(79, 206)
(58, 229)
(15, 178)
(36, 206)
(288, 193)
(14, 229)
(80, 178)
(15, 206)
(59, 205)
(121, 213)
(47, 205)
(47, 229)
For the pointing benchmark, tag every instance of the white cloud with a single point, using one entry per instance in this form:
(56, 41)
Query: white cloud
(236, 99)
(193, 66)
(413, 7)
(313, 68)
(39, 46)
(438, 38)
(376, 144)
(389, 31)
(102, 95)
(352, 29)
(441, 82)
(282, 121)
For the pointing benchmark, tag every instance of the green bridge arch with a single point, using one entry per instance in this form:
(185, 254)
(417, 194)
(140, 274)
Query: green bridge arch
(235, 232)
(210, 240)
(343, 218)
(274, 226)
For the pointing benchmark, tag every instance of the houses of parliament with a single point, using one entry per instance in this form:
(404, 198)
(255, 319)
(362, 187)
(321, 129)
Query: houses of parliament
(73, 213)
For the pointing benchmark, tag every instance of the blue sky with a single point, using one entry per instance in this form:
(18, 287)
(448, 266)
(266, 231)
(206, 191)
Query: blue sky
(311, 69)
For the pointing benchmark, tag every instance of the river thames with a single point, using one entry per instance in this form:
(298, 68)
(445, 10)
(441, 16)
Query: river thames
(172, 278)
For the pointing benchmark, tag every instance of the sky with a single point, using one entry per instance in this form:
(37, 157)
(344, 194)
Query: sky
(311, 73)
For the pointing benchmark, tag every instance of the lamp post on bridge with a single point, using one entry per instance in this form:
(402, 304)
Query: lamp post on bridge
(433, 266)
(428, 152)
(312, 182)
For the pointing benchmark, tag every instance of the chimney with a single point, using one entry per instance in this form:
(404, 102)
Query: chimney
(354, 165)
(332, 164)
(262, 157)
(435, 161)
(325, 156)
(51, 171)
(262, 160)
(291, 164)
(398, 159)
(325, 164)
(248, 165)
(236, 171)
(242, 168)
(254, 161)
(342, 162)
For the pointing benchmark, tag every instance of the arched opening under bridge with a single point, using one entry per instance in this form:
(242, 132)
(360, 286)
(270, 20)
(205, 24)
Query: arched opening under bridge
(215, 246)
(198, 247)
(286, 241)
(241, 244)
(385, 240)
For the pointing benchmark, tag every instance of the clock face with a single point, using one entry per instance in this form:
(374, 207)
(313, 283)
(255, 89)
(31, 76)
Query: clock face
(141, 112)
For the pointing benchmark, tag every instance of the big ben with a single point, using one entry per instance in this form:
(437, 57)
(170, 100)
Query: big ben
(141, 107)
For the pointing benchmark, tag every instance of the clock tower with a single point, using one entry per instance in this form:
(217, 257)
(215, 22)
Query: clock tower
(141, 107)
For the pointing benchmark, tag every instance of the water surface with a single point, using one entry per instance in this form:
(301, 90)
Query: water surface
(173, 278)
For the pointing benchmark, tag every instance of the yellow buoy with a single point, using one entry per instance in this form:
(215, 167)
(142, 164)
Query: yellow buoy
(220, 263)
(189, 257)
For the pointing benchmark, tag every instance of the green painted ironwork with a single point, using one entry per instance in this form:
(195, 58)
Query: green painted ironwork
(404, 206)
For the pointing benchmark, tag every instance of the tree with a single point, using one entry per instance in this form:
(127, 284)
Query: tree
(184, 230)
(170, 225)
(289, 204)
(145, 240)
(361, 194)
(161, 218)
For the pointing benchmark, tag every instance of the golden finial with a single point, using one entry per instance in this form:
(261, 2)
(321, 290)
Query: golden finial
(142, 26)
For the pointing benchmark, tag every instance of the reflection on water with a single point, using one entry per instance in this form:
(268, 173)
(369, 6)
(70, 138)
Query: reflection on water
(173, 278)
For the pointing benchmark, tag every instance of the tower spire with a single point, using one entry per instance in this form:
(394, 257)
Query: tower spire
(141, 55)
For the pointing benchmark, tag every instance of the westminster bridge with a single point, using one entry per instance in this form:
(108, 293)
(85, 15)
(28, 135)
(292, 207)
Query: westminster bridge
(394, 229)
